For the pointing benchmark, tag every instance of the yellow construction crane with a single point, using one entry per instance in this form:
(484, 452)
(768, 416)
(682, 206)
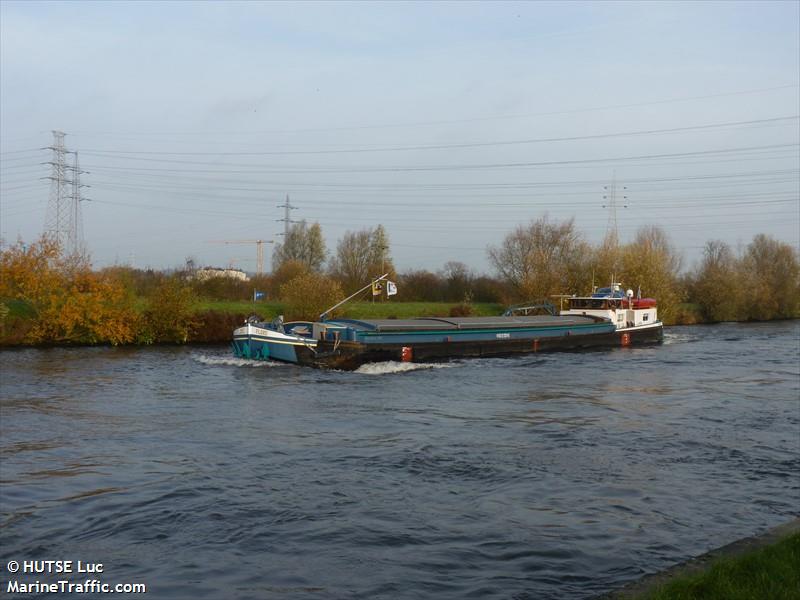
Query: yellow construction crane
(259, 250)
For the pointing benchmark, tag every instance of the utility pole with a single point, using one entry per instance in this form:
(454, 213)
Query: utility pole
(286, 206)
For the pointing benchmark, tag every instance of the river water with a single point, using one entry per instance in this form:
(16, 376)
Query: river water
(549, 476)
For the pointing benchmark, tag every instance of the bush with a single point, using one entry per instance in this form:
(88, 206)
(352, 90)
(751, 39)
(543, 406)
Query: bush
(287, 271)
(307, 295)
(487, 289)
(464, 309)
(223, 288)
(716, 285)
(215, 325)
(16, 320)
(762, 284)
(67, 302)
(771, 280)
(170, 315)
(461, 310)
(421, 286)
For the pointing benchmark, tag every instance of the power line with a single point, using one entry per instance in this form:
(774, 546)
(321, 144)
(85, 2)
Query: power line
(442, 195)
(468, 120)
(708, 126)
(475, 166)
(21, 151)
(258, 168)
(482, 221)
(759, 176)
(325, 196)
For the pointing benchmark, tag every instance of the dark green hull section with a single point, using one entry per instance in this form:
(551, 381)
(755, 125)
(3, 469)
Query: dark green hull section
(351, 355)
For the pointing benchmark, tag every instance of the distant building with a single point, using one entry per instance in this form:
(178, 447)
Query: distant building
(209, 272)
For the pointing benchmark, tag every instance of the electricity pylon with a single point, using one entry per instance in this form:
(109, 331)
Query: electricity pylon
(611, 241)
(63, 223)
(286, 206)
(612, 232)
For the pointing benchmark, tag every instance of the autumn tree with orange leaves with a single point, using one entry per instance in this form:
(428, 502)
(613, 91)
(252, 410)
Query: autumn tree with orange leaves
(69, 302)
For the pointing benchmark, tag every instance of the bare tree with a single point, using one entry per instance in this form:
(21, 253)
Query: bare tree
(361, 256)
(303, 243)
(458, 277)
(542, 258)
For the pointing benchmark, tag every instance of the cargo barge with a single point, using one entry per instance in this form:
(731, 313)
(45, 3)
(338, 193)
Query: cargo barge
(608, 318)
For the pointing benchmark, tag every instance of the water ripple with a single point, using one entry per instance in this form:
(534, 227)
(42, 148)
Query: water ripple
(548, 476)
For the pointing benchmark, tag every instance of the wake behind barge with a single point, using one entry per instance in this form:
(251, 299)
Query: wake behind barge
(608, 318)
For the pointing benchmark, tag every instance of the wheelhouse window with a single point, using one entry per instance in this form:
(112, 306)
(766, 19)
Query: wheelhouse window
(589, 303)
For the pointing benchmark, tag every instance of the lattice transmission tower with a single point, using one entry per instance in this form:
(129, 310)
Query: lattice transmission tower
(611, 249)
(63, 220)
(611, 197)
(287, 221)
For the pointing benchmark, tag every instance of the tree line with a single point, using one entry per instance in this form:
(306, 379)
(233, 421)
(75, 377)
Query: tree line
(758, 284)
(544, 258)
(49, 297)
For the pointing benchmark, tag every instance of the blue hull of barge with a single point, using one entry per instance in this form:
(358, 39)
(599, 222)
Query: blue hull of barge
(255, 349)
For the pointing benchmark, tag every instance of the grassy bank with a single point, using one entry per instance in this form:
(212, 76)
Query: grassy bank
(354, 310)
(759, 566)
(770, 572)
(407, 310)
(687, 314)
(214, 320)
(264, 309)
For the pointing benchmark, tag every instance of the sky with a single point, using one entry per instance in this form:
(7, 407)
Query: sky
(448, 123)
